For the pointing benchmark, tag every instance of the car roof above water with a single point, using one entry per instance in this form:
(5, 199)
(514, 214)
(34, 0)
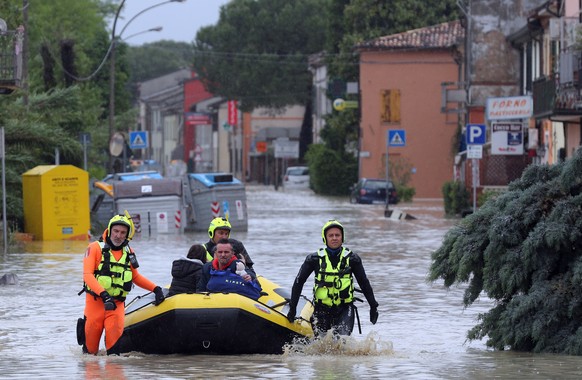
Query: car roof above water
(297, 170)
(375, 182)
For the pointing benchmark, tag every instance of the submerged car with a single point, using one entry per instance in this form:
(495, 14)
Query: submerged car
(296, 177)
(373, 190)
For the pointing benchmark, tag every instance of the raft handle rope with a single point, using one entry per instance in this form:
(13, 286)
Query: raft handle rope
(286, 301)
(138, 298)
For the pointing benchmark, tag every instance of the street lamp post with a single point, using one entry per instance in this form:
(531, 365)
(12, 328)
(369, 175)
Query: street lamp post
(114, 39)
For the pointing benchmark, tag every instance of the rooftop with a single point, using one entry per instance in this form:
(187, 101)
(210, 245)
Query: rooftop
(445, 35)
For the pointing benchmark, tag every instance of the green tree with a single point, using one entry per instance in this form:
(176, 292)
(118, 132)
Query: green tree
(331, 172)
(356, 21)
(67, 95)
(523, 249)
(32, 134)
(163, 57)
(257, 52)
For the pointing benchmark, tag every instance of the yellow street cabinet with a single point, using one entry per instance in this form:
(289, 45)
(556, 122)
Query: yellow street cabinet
(56, 202)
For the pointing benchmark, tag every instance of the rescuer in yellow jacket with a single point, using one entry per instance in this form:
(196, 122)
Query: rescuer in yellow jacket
(333, 291)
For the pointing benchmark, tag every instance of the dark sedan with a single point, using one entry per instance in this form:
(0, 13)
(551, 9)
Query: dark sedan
(373, 190)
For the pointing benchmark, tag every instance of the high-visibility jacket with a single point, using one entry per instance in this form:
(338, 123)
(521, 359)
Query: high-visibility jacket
(114, 275)
(334, 285)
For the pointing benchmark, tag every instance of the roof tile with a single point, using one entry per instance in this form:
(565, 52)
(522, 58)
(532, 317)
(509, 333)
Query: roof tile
(445, 35)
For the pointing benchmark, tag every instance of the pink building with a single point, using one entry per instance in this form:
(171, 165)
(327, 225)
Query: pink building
(401, 82)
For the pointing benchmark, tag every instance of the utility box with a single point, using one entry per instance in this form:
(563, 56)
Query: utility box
(56, 202)
(155, 205)
(213, 195)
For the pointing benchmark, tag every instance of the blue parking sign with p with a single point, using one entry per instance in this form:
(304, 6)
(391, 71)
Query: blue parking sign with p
(475, 134)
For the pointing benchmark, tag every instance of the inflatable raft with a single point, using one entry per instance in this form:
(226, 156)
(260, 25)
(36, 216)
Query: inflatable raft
(214, 323)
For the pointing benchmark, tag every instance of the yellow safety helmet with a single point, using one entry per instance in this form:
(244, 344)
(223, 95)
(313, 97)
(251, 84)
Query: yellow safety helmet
(122, 220)
(332, 223)
(218, 223)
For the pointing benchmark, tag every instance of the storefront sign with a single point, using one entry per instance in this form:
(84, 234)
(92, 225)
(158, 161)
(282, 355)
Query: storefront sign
(516, 107)
(507, 138)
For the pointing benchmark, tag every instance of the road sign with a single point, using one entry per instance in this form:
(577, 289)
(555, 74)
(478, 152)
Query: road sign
(475, 134)
(475, 151)
(138, 140)
(286, 148)
(85, 138)
(396, 137)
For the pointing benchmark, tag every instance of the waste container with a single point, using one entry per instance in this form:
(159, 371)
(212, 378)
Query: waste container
(101, 197)
(156, 205)
(213, 195)
(56, 202)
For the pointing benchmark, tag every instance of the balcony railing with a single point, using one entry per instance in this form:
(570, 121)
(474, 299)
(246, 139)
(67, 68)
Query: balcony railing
(11, 54)
(556, 100)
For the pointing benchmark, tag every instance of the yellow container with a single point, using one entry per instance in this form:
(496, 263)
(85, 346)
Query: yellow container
(56, 202)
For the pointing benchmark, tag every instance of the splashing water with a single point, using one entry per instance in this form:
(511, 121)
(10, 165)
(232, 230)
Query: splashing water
(332, 344)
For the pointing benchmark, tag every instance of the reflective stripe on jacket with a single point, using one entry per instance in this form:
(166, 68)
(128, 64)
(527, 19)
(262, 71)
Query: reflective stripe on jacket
(334, 286)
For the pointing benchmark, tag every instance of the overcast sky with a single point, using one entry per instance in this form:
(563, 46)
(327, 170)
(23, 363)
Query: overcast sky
(180, 21)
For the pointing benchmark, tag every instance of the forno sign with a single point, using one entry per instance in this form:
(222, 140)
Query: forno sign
(515, 107)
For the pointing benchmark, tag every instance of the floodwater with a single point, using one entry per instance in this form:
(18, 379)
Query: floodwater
(420, 333)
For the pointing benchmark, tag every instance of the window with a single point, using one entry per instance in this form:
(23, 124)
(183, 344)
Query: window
(390, 106)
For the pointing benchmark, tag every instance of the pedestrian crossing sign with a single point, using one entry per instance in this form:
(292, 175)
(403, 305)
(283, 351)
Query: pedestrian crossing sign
(138, 140)
(396, 137)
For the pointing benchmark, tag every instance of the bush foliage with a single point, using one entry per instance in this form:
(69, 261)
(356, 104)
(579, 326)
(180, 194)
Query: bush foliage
(456, 197)
(523, 249)
(331, 172)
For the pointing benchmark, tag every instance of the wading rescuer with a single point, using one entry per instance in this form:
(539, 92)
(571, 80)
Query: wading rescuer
(109, 272)
(333, 292)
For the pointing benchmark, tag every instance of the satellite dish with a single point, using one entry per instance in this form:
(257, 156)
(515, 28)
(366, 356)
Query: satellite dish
(116, 144)
(3, 26)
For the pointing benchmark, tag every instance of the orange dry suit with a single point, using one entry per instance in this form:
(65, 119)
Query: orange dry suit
(117, 285)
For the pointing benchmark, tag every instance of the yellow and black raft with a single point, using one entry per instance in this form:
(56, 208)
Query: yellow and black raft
(214, 323)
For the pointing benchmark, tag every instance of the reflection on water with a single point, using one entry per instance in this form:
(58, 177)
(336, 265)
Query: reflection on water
(420, 333)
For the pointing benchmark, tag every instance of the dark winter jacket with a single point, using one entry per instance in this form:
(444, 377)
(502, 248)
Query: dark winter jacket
(185, 275)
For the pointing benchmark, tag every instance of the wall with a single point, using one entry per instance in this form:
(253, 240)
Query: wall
(429, 133)
(494, 64)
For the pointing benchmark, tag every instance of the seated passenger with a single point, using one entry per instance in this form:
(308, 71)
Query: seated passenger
(218, 229)
(220, 274)
(187, 271)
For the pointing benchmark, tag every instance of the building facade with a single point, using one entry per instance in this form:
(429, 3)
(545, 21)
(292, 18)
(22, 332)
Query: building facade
(401, 80)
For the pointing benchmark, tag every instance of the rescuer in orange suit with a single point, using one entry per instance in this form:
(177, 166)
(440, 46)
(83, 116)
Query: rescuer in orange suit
(109, 272)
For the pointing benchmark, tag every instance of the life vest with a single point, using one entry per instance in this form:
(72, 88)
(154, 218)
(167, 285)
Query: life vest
(225, 281)
(334, 286)
(209, 257)
(115, 276)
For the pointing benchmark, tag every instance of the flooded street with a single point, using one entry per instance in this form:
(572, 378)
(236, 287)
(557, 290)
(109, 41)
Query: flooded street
(424, 324)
